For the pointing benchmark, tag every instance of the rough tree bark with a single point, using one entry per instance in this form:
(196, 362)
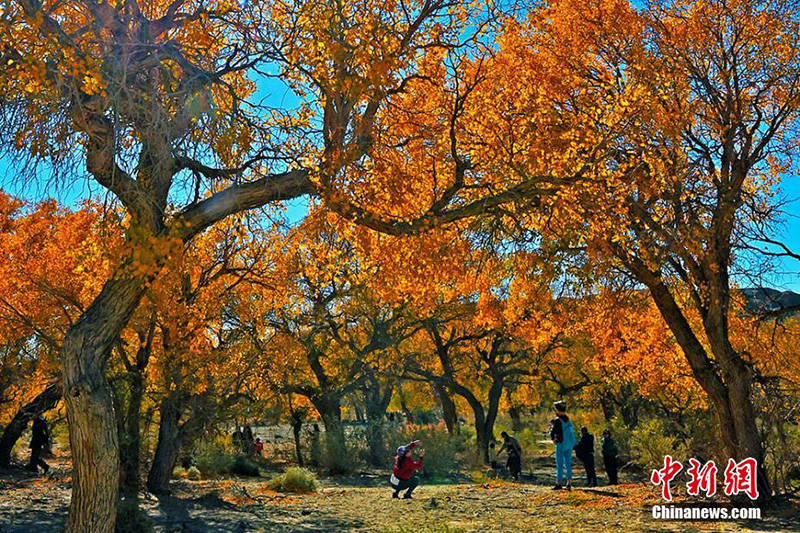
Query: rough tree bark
(167, 448)
(727, 383)
(90, 413)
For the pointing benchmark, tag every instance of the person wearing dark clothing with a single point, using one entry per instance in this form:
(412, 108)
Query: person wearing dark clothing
(40, 438)
(248, 443)
(585, 452)
(610, 453)
(403, 477)
(563, 434)
(514, 461)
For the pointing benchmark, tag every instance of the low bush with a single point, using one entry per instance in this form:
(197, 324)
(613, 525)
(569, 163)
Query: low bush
(296, 480)
(337, 457)
(650, 442)
(212, 458)
(244, 467)
(132, 519)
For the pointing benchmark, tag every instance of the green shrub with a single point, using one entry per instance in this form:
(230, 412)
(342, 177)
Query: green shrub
(131, 519)
(534, 441)
(622, 436)
(480, 476)
(443, 452)
(244, 467)
(296, 480)
(212, 458)
(193, 473)
(336, 456)
(650, 442)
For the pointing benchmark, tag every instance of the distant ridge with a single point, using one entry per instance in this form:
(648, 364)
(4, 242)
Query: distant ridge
(763, 300)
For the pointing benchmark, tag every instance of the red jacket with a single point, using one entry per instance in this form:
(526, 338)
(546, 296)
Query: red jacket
(407, 470)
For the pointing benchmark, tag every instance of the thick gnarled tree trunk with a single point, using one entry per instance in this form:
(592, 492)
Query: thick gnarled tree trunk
(377, 399)
(90, 413)
(330, 411)
(727, 383)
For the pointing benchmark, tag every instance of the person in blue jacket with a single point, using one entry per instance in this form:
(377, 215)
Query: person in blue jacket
(563, 434)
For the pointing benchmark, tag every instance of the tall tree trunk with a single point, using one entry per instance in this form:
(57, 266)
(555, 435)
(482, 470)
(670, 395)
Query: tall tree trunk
(482, 438)
(376, 401)
(484, 417)
(43, 402)
(330, 410)
(130, 439)
(166, 454)
(479, 414)
(516, 419)
(297, 427)
(748, 441)
(727, 383)
(90, 411)
(495, 393)
(449, 412)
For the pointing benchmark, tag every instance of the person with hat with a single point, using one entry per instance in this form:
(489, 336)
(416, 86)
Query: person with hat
(563, 434)
(403, 477)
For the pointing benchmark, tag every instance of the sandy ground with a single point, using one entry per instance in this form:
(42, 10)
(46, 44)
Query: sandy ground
(31, 503)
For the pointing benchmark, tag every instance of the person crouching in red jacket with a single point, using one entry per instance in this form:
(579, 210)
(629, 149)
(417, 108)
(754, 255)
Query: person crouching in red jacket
(403, 477)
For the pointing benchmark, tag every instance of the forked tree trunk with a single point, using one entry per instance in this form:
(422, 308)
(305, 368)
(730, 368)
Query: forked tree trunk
(727, 384)
(43, 402)
(90, 412)
(484, 417)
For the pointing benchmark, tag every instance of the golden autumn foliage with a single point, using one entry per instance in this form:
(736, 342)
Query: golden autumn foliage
(479, 179)
(54, 262)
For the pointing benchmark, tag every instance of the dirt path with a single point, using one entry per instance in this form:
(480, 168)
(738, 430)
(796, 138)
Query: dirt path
(30, 503)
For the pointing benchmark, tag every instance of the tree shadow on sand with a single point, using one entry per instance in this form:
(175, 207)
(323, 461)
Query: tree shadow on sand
(210, 512)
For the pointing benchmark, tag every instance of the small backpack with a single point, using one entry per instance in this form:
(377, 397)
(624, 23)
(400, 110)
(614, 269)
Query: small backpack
(568, 431)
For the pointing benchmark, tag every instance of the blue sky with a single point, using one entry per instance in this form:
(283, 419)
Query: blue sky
(71, 194)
